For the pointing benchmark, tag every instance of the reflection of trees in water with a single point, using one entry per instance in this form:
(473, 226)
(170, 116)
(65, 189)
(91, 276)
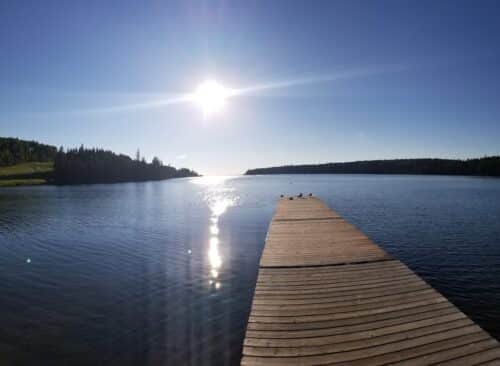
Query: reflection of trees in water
(24, 206)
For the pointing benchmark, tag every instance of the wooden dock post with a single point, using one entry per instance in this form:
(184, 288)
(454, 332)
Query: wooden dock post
(327, 295)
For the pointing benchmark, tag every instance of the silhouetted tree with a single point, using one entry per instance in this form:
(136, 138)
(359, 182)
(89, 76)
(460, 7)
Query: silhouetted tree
(77, 166)
(157, 162)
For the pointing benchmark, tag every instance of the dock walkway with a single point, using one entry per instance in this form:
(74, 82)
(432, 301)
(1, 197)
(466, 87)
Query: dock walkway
(327, 295)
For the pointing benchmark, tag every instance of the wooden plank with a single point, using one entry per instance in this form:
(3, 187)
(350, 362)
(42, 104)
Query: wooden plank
(371, 266)
(491, 363)
(325, 308)
(261, 301)
(335, 329)
(310, 208)
(450, 354)
(378, 355)
(345, 314)
(345, 322)
(345, 337)
(326, 294)
(475, 358)
(360, 341)
(338, 283)
(341, 290)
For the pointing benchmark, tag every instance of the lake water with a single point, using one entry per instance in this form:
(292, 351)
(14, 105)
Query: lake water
(162, 273)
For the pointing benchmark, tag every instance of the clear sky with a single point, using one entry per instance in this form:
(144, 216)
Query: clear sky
(350, 80)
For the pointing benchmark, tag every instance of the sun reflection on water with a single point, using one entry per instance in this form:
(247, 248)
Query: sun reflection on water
(219, 198)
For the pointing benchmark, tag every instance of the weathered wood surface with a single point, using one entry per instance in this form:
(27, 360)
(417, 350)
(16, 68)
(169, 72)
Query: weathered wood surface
(327, 295)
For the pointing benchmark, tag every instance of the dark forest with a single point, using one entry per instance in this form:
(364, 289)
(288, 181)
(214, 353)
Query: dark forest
(486, 166)
(84, 166)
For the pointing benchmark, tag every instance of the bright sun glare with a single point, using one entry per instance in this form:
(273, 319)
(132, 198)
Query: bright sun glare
(210, 96)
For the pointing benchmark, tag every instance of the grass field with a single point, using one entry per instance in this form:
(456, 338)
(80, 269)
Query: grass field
(25, 174)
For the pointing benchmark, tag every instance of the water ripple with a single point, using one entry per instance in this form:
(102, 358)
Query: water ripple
(162, 273)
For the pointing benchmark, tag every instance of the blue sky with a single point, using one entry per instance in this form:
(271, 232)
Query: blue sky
(420, 79)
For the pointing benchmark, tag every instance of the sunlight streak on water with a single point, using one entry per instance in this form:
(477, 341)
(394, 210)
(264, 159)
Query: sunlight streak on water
(219, 198)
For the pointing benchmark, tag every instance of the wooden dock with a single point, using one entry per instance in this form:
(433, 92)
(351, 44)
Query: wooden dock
(327, 295)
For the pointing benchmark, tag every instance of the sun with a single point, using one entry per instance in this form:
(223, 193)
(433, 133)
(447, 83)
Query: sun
(210, 96)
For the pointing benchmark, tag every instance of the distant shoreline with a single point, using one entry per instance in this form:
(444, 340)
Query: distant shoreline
(486, 166)
(24, 163)
(28, 182)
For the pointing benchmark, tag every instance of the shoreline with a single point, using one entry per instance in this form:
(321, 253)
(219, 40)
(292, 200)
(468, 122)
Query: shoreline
(12, 183)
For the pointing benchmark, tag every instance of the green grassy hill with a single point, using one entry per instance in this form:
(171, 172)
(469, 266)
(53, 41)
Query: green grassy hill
(26, 174)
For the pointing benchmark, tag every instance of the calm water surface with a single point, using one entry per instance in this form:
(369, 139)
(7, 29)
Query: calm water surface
(163, 273)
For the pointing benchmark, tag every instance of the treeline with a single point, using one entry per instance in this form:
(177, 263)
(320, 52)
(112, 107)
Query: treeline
(85, 166)
(15, 151)
(487, 166)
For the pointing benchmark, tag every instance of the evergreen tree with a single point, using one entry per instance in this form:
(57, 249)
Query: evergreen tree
(16, 151)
